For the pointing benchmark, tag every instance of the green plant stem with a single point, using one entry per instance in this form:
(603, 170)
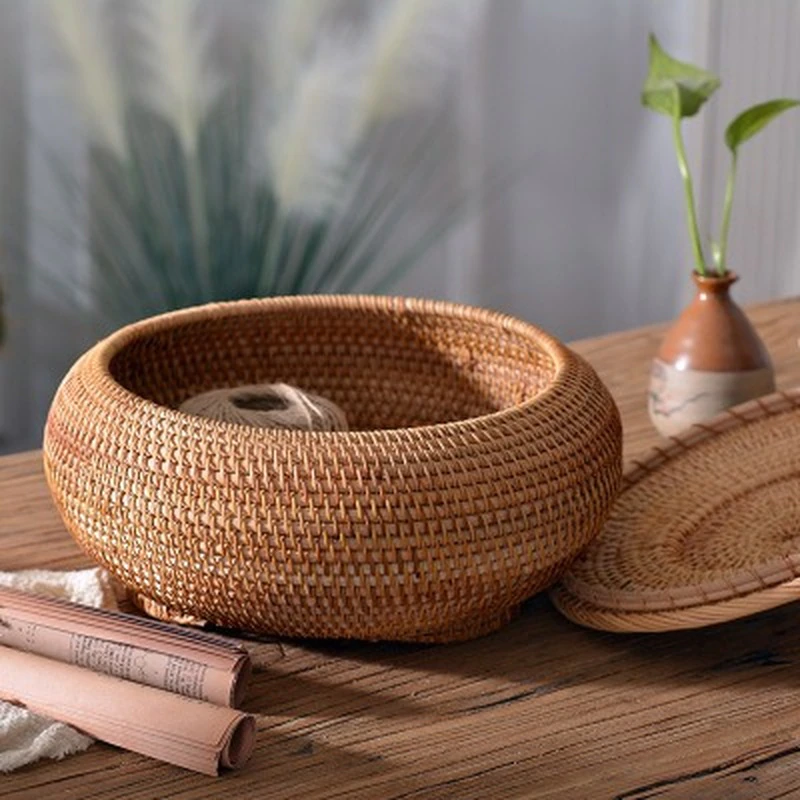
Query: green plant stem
(683, 164)
(726, 217)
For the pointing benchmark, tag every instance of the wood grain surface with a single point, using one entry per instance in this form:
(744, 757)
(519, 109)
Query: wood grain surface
(541, 709)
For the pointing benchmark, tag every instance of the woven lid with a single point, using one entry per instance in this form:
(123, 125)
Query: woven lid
(705, 530)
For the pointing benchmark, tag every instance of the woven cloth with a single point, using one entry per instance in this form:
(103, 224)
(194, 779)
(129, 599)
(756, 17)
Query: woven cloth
(26, 737)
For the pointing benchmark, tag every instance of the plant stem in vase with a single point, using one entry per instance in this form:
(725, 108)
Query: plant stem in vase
(711, 358)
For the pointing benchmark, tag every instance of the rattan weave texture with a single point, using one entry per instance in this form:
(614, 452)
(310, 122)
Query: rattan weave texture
(483, 456)
(705, 530)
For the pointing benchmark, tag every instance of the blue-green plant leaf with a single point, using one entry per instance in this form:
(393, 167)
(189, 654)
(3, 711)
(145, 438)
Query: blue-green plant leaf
(754, 119)
(674, 87)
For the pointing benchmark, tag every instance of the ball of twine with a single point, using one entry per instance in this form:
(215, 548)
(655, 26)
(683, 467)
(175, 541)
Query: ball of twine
(268, 405)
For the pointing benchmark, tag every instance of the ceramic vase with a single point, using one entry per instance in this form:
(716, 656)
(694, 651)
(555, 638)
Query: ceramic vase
(711, 359)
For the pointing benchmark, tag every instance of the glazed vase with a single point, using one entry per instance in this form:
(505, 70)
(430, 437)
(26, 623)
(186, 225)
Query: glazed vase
(711, 359)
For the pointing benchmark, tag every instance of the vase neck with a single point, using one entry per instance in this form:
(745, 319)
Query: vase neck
(714, 285)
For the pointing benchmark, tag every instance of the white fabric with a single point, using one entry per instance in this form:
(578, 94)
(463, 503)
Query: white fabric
(26, 737)
(89, 587)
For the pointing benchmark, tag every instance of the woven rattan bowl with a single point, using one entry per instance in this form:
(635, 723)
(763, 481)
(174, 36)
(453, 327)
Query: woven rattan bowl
(483, 456)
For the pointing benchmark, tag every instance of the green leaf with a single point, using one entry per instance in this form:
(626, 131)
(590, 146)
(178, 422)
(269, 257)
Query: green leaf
(673, 87)
(754, 119)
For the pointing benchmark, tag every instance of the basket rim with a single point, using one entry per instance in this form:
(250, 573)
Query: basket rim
(98, 358)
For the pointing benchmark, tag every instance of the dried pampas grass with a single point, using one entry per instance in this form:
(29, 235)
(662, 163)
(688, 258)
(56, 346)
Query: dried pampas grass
(264, 173)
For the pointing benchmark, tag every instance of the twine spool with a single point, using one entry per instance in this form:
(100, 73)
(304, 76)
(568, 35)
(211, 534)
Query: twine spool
(268, 405)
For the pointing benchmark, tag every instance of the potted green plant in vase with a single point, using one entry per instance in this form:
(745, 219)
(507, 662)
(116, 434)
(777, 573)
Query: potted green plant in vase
(711, 358)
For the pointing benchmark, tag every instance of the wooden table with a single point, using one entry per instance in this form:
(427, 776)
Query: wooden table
(542, 709)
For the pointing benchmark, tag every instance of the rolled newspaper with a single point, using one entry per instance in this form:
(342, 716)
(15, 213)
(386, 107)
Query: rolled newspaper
(186, 662)
(180, 730)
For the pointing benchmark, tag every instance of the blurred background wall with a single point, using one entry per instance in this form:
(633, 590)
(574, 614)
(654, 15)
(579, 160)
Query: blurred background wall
(590, 238)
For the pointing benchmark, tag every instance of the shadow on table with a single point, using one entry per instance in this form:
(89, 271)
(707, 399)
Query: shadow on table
(371, 713)
(539, 653)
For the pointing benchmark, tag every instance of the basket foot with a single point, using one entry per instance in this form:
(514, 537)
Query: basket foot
(159, 611)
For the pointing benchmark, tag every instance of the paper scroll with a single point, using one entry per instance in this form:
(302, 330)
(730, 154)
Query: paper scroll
(186, 732)
(185, 662)
(152, 688)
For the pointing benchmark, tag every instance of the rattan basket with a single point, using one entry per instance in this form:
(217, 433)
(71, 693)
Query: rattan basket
(484, 456)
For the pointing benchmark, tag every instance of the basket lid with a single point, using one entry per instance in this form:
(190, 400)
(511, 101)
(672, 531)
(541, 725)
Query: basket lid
(706, 528)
